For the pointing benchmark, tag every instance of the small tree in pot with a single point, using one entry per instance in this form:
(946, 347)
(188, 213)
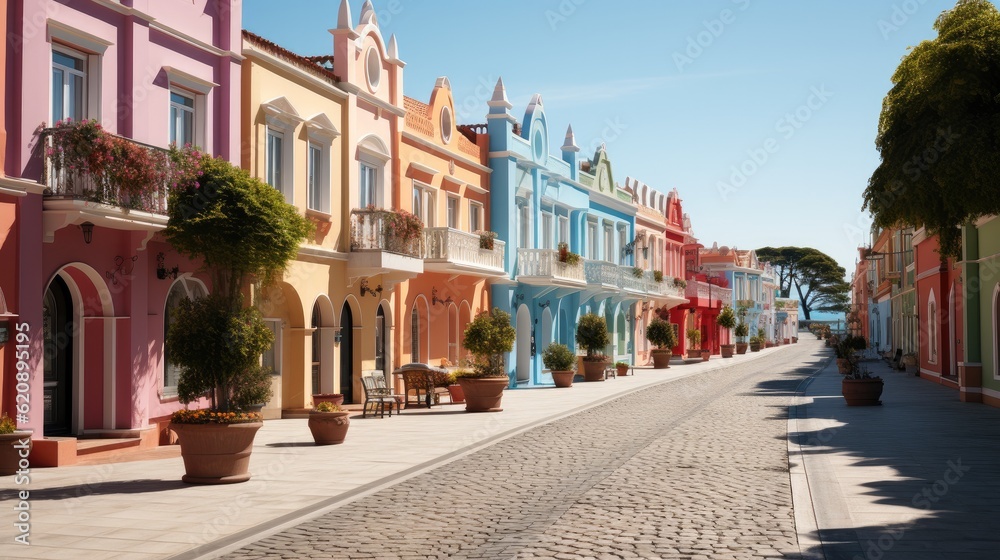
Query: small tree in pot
(727, 320)
(488, 337)
(561, 362)
(694, 343)
(664, 337)
(242, 230)
(592, 335)
(741, 331)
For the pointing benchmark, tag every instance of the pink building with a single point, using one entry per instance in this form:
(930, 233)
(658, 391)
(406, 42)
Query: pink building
(95, 282)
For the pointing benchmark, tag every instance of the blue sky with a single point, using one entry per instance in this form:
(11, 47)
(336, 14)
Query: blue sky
(761, 113)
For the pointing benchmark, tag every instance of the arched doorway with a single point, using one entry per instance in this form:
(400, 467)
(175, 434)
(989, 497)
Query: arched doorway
(453, 334)
(523, 369)
(380, 338)
(322, 345)
(57, 326)
(347, 354)
(564, 335)
(546, 335)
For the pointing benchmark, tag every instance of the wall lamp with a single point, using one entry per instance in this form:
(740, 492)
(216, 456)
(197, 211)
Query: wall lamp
(544, 305)
(366, 290)
(337, 337)
(88, 232)
(436, 300)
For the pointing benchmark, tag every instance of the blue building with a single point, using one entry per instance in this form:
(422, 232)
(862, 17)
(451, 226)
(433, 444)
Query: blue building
(568, 229)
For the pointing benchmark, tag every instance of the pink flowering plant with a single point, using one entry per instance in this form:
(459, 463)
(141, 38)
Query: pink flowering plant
(86, 161)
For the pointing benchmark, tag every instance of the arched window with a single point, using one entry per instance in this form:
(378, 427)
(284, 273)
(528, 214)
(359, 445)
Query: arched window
(415, 335)
(932, 329)
(183, 288)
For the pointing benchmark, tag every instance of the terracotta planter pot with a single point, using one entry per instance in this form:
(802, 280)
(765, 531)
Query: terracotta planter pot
(728, 350)
(694, 354)
(457, 394)
(593, 371)
(705, 355)
(622, 370)
(563, 378)
(843, 366)
(754, 347)
(661, 359)
(13, 448)
(483, 394)
(769, 344)
(216, 453)
(795, 340)
(329, 428)
(786, 341)
(862, 392)
(741, 348)
(333, 398)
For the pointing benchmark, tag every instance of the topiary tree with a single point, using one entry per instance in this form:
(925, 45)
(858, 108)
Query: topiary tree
(558, 357)
(488, 337)
(726, 318)
(242, 230)
(661, 334)
(592, 334)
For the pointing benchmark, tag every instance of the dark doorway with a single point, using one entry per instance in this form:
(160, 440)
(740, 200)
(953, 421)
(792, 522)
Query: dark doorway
(347, 354)
(380, 339)
(57, 327)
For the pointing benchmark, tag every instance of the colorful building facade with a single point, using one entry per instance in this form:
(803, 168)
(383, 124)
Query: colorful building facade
(96, 283)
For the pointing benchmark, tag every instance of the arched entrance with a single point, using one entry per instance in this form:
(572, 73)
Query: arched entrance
(347, 353)
(322, 345)
(58, 335)
(523, 324)
(380, 338)
(546, 334)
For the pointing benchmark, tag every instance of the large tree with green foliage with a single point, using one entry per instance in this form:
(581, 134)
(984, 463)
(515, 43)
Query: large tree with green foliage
(939, 132)
(816, 277)
(242, 230)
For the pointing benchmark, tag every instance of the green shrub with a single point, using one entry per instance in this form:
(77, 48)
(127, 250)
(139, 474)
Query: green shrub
(558, 357)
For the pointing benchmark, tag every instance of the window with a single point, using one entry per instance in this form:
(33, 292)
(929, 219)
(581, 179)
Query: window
(525, 227)
(475, 216)
(592, 241)
(453, 212)
(270, 359)
(622, 242)
(546, 230)
(932, 330)
(69, 85)
(181, 118)
(318, 185)
(182, 289)
(609, 244)
(423, 204)
(275, 160)
(563, 229)
(368, 184)
(415, 335)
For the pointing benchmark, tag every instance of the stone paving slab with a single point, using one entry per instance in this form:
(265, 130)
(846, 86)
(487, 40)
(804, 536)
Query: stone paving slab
(696, 468)
(145, 501)
(915, 478)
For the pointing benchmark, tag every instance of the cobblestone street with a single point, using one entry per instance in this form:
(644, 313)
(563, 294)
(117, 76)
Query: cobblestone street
(696, 468)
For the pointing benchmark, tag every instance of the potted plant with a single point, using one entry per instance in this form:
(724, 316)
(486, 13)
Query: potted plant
(592, 335)
(694, 343)
(860, 388)
(566, 256)
(15, 446)
(454, 389)
(755, 343)
(486, 239)
(243, 231)
(636, 272)
(909, 362)
(561, 363)
(727, 320)
(664, 338)
(844, 353)
(658, 276)
(741, 331)
(622, 368)
(488, 337)
(680, 283)
(328, 423)
(335, 399)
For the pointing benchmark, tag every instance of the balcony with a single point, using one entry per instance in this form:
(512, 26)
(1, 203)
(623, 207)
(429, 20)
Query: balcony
(603, 276)
(90, 175)
(707, 293)
(385, 242)
(460, 252)
(543, 267)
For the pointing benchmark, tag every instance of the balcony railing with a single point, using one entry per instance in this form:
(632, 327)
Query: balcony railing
(704, 290)
(109, 170)
(545, 262)
(461, 247)
(602, 272)
(375, 230)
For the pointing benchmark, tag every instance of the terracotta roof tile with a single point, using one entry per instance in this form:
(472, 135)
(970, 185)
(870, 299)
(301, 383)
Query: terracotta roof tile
(305, 63)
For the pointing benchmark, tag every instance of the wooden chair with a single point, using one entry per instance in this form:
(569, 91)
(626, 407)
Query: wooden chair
(378, 396)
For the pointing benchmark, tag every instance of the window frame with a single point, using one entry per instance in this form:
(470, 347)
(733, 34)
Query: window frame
(175, 120)
(424, 196)
(190, 286)
(322, 185)
(453, 212)
(476, 217)
(85, 75)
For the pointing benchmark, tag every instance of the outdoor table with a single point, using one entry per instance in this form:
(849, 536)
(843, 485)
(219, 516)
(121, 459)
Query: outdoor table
(428, 373)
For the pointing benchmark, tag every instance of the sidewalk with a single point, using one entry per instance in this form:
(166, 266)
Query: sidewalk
(913, 479)
(142, 510)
